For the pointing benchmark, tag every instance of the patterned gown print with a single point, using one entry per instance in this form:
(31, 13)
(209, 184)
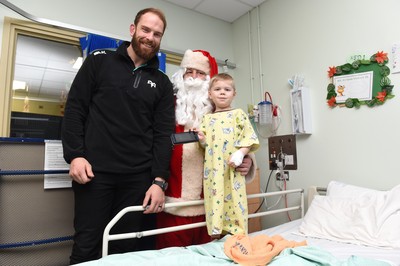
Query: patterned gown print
(225, 189)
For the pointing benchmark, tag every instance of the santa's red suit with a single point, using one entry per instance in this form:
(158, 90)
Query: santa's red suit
(186, 168)
(185, 184)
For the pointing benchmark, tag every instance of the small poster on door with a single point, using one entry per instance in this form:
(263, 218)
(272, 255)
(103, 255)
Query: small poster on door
(54, 160)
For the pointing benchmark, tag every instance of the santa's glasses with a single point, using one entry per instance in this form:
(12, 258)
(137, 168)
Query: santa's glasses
(191, 72)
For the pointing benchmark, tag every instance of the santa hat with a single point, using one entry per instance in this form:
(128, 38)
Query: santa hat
(200, 60)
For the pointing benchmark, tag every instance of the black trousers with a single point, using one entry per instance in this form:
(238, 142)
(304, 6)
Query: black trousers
(97, 202)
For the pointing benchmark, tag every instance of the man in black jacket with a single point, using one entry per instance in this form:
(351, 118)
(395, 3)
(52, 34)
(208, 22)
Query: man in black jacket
(116, 135)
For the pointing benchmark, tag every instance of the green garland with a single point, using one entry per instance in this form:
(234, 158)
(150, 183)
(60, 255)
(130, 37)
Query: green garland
(382, 90)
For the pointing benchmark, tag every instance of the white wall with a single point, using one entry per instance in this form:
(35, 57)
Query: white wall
(358, 146)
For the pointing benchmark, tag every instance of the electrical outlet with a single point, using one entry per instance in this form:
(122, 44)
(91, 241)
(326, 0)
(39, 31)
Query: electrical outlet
(282, 175)
(282, 146)
(289, 160)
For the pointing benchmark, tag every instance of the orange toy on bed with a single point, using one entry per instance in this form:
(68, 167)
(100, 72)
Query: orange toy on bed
(257, 250)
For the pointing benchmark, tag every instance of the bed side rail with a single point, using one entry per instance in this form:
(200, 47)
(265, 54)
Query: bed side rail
(107, 237)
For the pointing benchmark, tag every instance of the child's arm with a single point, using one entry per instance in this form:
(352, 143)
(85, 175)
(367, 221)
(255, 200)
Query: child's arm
(202, 137)
(236, 158)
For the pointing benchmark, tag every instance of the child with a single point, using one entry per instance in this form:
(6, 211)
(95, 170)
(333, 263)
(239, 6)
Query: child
(227, 136)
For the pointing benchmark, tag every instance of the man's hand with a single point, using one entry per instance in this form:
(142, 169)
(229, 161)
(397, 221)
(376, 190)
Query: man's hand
(81, 170)
(154, 200)
(244, 168)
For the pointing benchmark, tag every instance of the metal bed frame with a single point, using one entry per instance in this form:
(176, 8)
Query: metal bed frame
(108, 237)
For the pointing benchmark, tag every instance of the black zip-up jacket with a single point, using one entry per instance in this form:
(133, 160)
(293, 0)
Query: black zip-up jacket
(118, 116)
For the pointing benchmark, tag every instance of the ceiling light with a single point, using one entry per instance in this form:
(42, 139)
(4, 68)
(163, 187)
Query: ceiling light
(78, 63)
(19, 85)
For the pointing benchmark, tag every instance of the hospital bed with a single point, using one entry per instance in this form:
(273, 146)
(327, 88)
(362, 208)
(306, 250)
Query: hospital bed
(348, 226)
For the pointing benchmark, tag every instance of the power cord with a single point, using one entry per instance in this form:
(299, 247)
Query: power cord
(266, 189)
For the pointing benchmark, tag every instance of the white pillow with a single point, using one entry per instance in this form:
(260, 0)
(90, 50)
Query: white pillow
(371, 219)
(342, 190)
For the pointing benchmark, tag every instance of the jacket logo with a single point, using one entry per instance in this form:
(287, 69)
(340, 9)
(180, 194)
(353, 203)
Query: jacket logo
(99, 52)
(152, 84)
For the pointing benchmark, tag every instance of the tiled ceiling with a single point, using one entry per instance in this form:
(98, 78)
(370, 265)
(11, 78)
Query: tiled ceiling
(46, 66)
(227, 10)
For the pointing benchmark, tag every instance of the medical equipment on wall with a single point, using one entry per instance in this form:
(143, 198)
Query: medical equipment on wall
(265, 113)
(282, 155)
(266, 116)
(300, 106)
(266, 110)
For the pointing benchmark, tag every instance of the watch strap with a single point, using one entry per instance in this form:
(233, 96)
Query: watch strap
(162, 184)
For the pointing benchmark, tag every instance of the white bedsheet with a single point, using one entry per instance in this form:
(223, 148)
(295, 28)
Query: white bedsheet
(340, 250)
(318, 250)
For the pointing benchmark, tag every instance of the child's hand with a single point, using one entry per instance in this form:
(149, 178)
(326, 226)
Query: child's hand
(200, 134)
(236, 158)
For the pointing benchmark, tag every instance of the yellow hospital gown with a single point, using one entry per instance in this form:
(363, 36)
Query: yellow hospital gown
(224, 189)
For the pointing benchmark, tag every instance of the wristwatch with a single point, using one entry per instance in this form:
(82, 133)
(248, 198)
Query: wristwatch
(162, 184)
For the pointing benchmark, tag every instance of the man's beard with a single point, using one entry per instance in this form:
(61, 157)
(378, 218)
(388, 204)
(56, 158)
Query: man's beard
(192, 102)
(141, 52)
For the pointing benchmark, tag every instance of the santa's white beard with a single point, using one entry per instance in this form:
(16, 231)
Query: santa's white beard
(192, 101)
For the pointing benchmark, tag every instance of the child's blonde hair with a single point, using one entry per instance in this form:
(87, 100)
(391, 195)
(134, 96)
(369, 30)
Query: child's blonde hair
(222, 76)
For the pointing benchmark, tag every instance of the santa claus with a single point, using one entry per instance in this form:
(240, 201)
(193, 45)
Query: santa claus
(191, 84)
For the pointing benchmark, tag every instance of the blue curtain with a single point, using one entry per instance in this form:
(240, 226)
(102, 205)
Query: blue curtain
(92, 42)
(163, 62)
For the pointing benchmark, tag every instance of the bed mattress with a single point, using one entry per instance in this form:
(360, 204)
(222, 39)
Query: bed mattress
(212, 254)
(342, 251)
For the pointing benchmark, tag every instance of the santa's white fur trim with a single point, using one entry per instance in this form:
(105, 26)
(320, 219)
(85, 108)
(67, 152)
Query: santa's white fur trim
(192, 101)
(192, 181)
(188, 211)
(196, 60)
